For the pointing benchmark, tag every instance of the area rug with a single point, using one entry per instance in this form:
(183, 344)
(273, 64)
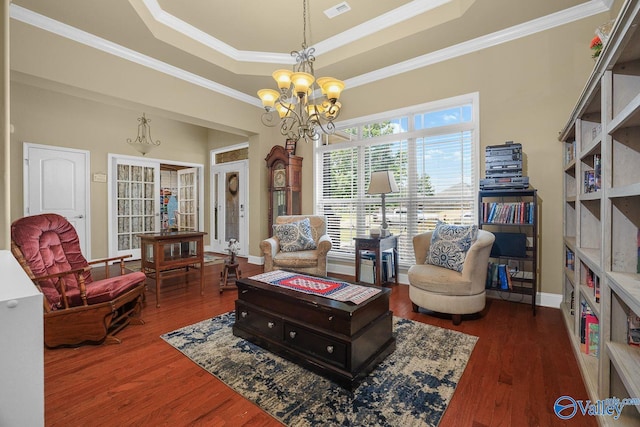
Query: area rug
(411, 387)
(209, 259)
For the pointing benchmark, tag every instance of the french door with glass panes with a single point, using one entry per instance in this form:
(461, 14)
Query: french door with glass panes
(136, 203)
(187, 214)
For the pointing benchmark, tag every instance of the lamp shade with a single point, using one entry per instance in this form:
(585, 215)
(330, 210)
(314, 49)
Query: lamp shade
(268, 97)
(382, 182)
(301, 82)
(283, 78)
(322, 81)
(332, 88)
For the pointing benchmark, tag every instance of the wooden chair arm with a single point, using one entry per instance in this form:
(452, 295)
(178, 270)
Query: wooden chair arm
(60, 283)
(106, 261)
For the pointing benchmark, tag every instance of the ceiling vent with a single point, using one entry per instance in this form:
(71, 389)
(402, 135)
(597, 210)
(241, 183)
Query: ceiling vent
(338, 9)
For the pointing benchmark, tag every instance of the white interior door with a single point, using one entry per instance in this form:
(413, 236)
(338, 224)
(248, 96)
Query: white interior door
(56, 180)
(135, 203)
(230, 210)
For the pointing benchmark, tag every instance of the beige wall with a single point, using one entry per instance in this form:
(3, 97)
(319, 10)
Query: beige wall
(5, 126)
(527, 90)
(50, 118)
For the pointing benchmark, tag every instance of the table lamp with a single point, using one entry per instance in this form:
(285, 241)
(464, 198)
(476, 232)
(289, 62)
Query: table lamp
(382, 182)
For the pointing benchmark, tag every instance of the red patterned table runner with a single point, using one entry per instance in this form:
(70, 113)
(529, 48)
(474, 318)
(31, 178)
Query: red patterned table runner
(333, 289)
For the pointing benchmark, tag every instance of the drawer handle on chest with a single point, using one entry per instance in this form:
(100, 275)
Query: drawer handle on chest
(330, 349)
(271, 325)
(243, 314)
(292, 334)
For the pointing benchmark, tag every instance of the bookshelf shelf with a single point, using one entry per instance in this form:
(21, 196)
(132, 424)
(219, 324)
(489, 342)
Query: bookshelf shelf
(627, 287)
(571, 166)
(630, 190)
(570, 274)
(516, 219)
(596, 195)
(570, 241)
(591, 257)
(628, 117)
(626, 358)
(602, 222)
(372, 265)
(592, 148)
(587, 293)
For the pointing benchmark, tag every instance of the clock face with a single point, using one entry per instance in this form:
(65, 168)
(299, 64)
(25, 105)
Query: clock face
(279, 178)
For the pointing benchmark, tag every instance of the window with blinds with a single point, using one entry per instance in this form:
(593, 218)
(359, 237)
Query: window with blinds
(433, 151)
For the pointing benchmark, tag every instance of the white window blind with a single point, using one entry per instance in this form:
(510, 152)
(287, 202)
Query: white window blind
(432, 151)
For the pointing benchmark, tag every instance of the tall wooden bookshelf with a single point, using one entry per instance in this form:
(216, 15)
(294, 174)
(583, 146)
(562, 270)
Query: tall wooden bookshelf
(601, 180)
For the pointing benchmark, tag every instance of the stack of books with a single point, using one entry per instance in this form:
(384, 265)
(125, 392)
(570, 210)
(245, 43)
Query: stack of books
(368, 266)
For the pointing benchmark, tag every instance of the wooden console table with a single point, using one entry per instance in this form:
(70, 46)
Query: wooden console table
(171, 253)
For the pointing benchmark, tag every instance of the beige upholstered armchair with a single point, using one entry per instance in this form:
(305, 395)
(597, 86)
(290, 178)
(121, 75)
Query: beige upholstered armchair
(444, 290)
(312, 261)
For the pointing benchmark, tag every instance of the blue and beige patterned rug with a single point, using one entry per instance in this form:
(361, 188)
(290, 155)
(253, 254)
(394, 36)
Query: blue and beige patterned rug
(411, 387)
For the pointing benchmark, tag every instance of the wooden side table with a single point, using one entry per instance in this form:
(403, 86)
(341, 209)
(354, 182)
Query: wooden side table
(229, 275)
(377, 245)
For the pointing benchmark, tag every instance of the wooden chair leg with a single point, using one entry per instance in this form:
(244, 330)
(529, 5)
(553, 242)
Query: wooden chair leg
(457, 319)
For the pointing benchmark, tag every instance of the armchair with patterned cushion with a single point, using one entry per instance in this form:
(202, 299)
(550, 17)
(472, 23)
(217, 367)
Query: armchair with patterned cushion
(77, 309)
(451, 270)
(299, 243)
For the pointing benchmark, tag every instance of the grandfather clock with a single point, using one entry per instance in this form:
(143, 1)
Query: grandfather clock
(285, 184)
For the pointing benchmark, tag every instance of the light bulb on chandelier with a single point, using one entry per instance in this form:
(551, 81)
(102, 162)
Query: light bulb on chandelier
(302, 114)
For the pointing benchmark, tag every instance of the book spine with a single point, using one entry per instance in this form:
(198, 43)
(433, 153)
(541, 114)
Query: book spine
(502, 274)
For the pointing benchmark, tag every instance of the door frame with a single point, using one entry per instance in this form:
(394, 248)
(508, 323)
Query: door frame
(243, 167)
(87, 196)
(111, 173)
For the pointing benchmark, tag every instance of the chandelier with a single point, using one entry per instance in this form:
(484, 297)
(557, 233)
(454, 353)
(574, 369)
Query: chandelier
(143, 142)
(301, 113)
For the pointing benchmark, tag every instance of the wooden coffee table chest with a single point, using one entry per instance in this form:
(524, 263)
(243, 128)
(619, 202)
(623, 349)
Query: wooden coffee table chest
(340, 340)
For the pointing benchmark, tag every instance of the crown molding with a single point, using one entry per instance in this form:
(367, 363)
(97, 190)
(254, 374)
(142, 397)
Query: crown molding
(544, 23)
(566, 16)
(47, 24)
(176, 24)
(393, 17)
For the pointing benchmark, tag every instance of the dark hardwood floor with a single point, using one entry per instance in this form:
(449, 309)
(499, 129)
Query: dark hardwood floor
(521, 364)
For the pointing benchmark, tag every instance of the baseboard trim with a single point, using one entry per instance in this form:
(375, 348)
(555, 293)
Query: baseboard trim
(543, 299)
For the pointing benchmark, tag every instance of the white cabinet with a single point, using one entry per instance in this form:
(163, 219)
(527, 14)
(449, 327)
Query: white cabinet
(21, 341)
(601, 181)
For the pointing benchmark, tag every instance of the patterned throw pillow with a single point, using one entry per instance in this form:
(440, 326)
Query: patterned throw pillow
(294, 236)
(449, 245)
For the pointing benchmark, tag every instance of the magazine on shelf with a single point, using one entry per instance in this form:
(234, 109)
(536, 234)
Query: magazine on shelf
(593, 335)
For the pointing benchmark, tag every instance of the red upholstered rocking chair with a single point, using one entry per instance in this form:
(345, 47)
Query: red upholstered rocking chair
(77, 309)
